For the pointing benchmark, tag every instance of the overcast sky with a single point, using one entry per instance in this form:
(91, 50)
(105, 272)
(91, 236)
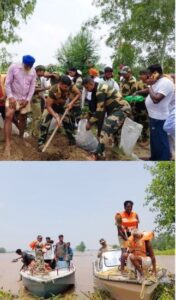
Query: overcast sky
(50, 25)
(76, 199)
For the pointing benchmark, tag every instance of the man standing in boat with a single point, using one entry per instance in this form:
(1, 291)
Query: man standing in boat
(39, 248)
(126, 221)
(49, 254)
(69, 254)
(104, 247)
(60, 249)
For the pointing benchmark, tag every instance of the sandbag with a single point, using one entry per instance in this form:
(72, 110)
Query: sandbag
(85, 138)
(131, 132)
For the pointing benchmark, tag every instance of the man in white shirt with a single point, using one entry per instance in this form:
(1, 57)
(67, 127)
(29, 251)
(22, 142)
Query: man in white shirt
(108, 79)
(161, 94)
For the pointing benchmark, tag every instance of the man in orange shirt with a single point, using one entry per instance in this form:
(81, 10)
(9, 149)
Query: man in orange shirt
(126, 221)
(140, 254)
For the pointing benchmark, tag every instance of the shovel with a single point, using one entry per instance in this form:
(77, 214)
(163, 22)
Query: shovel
(54, 132)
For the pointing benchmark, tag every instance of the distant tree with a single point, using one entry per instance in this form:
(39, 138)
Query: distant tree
(11, 13)
(81, 247)
(164, 241)
(79, 51)
(138, 27)
(161, 194)
(5, 60)
(115, 247)
(2, 250)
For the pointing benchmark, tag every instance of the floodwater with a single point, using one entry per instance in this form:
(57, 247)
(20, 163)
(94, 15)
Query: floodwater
(9, 272)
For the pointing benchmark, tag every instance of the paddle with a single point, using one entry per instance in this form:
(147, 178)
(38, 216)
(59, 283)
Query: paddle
(54, 132)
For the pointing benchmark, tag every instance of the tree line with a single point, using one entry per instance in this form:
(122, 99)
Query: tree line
(140, 32)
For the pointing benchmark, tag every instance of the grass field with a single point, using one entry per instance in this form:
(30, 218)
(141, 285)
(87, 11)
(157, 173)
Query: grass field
(98, 295)
(165, 252)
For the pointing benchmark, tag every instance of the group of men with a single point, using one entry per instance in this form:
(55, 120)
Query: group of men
(47, 255)
(136, 247)
(27, 91)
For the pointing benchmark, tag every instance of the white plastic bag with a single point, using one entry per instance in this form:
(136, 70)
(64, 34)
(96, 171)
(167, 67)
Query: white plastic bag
(131, 131)
(85, 138)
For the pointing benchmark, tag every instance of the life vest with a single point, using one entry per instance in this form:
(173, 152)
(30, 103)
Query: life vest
(138, 247)
(36, 245)
(129, 221)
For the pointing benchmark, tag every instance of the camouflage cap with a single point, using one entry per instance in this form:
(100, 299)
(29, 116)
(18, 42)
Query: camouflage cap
(52, 69)
(125, 70)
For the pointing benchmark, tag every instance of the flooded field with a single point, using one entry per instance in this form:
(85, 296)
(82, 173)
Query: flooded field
(9, 272)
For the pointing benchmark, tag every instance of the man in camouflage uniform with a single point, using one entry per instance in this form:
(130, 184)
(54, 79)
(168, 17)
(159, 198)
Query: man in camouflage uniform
(55, 106)
(109, 101)
(139, 109)
(36, 102)
(76, 77)
(52, 74)
(128, 83)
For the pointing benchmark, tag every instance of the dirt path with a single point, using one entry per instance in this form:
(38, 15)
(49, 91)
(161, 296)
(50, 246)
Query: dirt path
(59, 150)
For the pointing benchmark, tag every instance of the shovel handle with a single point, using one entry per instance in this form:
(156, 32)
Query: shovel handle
(54, 132)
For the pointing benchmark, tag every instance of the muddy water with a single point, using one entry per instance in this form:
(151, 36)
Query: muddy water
(9, 272)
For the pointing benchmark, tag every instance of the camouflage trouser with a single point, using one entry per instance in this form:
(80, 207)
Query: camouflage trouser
(110, 128)
(45, 124)
(36, 118)
(140, 116)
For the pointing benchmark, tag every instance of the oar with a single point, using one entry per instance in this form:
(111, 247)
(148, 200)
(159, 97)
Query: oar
(54, 132)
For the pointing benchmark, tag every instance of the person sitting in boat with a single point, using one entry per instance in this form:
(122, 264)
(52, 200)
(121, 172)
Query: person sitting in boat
(69, 254)
(140, 256)
(126, 221)
(60, 249)
(25, 257)
(49, 254)
(104, 247)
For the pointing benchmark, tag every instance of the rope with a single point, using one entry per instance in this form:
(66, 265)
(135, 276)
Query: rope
(142, 293)
(151, 278)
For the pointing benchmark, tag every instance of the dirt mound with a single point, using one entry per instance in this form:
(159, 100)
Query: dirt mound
(59, 150)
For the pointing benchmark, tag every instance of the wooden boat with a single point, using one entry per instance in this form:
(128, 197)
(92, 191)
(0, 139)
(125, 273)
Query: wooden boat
(107, 276)
(51, 283)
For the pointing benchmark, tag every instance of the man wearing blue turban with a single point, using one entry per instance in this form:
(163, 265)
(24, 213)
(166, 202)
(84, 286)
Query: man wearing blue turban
(28, 61)
(19, 87)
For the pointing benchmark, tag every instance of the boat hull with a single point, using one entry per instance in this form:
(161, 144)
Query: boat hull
(124, 291)
(107, 276)
(48, 288)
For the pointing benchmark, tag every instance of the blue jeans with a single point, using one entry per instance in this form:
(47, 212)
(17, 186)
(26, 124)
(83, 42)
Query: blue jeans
(159, 142)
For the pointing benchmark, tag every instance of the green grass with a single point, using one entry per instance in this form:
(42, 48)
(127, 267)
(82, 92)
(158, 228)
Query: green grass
(165, 252)
(97, 295)
(164, 292)
(6, 295)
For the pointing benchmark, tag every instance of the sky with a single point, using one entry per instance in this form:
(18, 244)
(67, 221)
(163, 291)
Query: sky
(77, 199)
(50, 25)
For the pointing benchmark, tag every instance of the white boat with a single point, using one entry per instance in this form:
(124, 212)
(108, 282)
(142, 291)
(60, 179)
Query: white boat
(51, 283)
(107, 276)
